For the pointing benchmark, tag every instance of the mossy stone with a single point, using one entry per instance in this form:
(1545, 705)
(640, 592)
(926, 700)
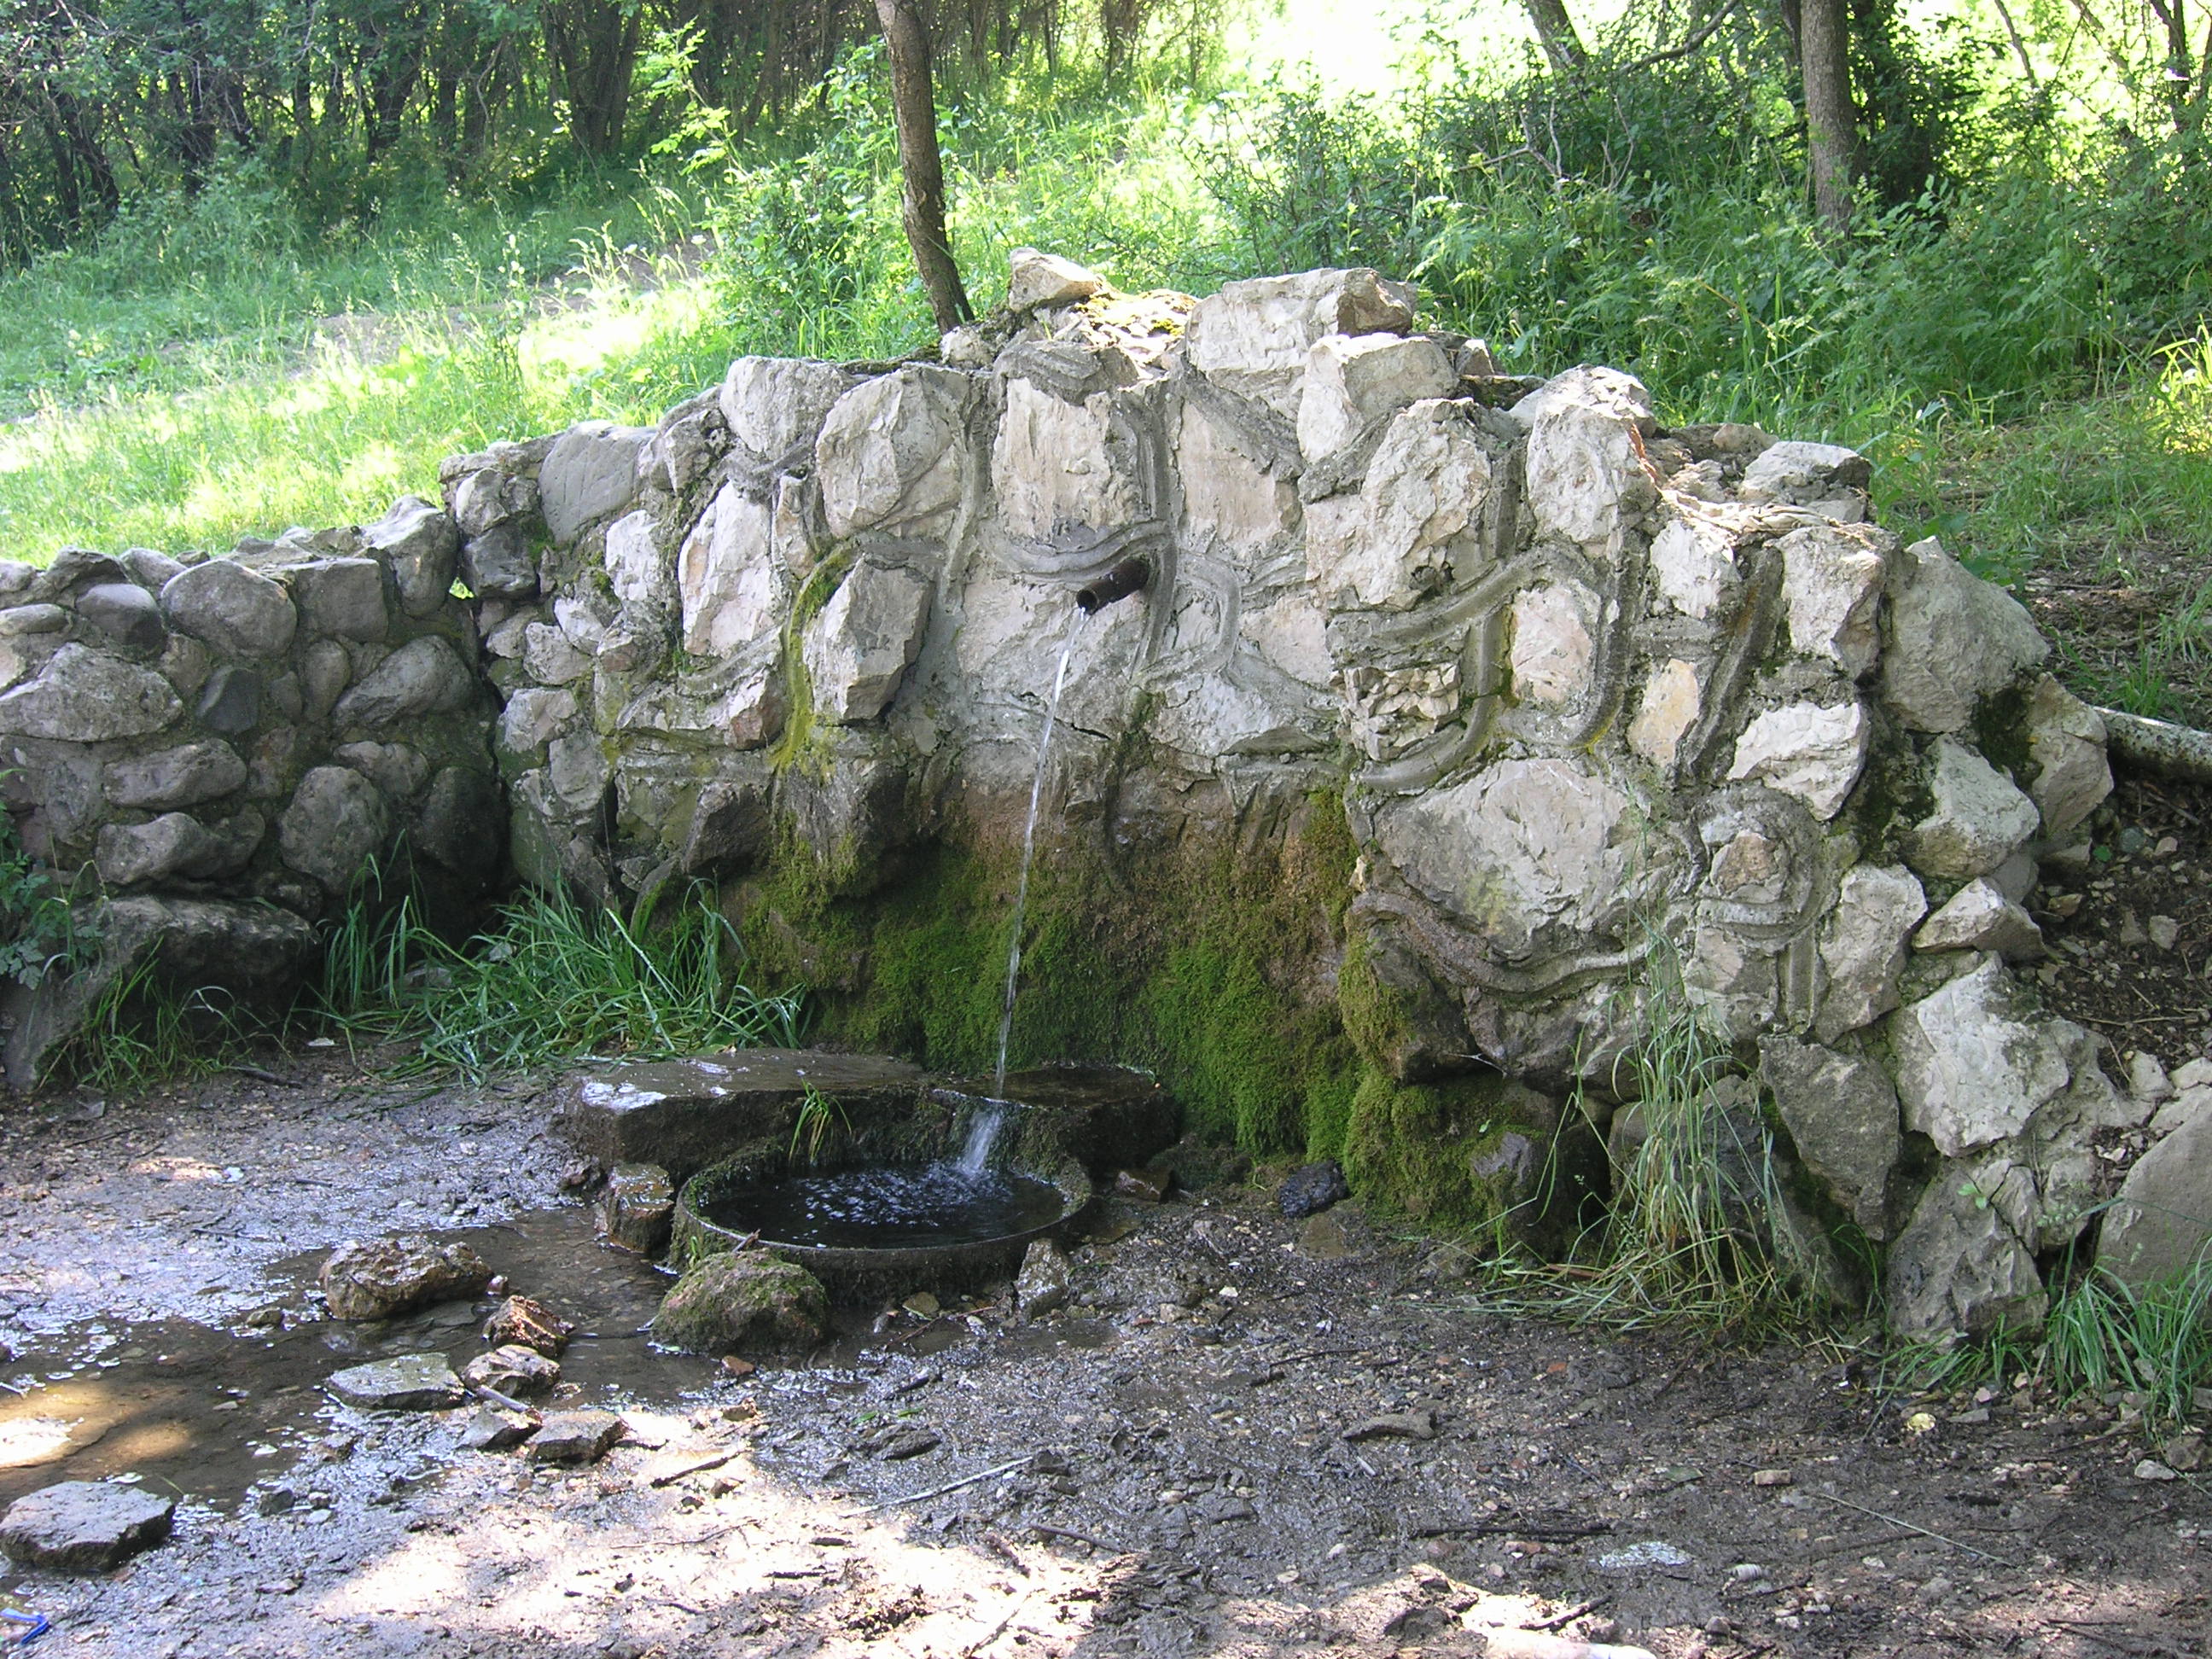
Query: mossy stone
(743, 1301)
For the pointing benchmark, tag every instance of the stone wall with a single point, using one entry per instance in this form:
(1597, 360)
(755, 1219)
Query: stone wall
(219, 747)
(1460, 713)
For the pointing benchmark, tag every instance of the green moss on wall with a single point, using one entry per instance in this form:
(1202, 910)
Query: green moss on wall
(1472, 1155)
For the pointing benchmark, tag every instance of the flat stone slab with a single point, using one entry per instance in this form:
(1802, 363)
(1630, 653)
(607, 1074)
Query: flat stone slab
(84, 1526)
(1107, 1118)
(684, 1115)
(409, 1382)
(575, 1436)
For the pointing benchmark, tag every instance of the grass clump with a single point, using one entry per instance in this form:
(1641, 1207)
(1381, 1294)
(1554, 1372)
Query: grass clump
(552, 979)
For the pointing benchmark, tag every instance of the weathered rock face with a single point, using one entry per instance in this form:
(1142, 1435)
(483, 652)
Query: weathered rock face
(84, 1526)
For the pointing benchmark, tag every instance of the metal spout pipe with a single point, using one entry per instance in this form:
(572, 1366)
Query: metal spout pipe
(1130, 576)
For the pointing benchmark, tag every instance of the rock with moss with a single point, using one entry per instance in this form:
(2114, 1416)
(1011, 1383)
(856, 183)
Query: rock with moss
(743, 1301)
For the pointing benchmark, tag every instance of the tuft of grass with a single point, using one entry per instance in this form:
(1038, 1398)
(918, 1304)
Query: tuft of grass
(552, 979)
(1698, 1231)
(142, 1032)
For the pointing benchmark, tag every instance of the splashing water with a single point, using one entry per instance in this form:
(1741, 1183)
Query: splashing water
(1028, 848)
(983, 1129)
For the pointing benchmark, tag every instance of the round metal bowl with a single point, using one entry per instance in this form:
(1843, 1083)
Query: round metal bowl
(854, 1273)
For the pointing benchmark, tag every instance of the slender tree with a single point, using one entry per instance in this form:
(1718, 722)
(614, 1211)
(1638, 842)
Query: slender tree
(1824, 45)
(922, 204)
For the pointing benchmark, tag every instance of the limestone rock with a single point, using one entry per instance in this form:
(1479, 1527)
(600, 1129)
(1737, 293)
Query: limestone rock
(127, 615)
(423, 677)
(576, 768)
(84, 696)
(230, 701)
(589, 474)
(497, 564)
(636, 1208)
(1591, 387)
(336, 821)
(2160, 1224)
(1804, 751)
(1421, 520)
(169, 778)
(173, 844)
(397, 770)
(1841, 1114)
(730, 826)
(84, 1527)
(634, 567)
(1979, 818)
(21, 619)
(1551, 649)
(730, 589)
(1354, 380)
(534, 716)
(575, 1436)
(1253, 336)
(1832, 581)
(1863, 946)
(1667, 709)
(150, 569)
(420, 543)
(776, 405)
(519, 1372)
(1979, 917)
(551, 656)
(406, 1383)
(1953, 639)
(1056, 464)
(1035, 280)
(1044, 1283)
(1802, 473)
(1694, 566)
(1228, 496)
(239, 612)
(491, 496)
(461, 823)
(891, 451)
(492, 1428)
(1958, 1267)
(743, 1299)
(342, 598)
(2066, 741)
(857, 650)
(1974, 1065)
(1586, 475)
(1524, 847)
(378, 1278)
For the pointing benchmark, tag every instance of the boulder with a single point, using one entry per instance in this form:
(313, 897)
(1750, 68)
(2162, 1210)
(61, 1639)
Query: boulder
(499, 564)
(1863, 946)
(1979, 917)
(514, 1369)
(239, 612)
(1694, 566)
(589, 474)
(635, 567)
(1803, 473)
(743, 1300)
(379, 1278)
(398, 770)
(1841, 1114)
(731, 588)
(2066, 742)
(1591, 387)
(461, 823)
(1057, 462)
(1044, 1282)
(406, 1383)
(774, 406)
(636, 1208)
(335, 823)
(551, 656)
(126, 615)
(2159, 1226)
(1953, 640)
(1974, 1065)
(1832, 583)
(1253, 336)
(1035, 280)
(1979, 819)
(173, 844)
(1587, 478)
(1958, 1267)
(522, 1321)
(230, 701)
(420, 544)
(891, 451)
(491, 496)
(343, 599)
(423, 677)
(1811, 753)
(84, 696)
(861, 645)
(1352, 381)
(1422, 519)
(182, 776)
(84, 1527)
(575, 1436)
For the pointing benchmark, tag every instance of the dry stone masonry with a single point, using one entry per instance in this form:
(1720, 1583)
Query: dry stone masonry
(1596, 698)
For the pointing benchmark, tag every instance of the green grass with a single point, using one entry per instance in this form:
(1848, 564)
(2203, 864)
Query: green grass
(551, 979)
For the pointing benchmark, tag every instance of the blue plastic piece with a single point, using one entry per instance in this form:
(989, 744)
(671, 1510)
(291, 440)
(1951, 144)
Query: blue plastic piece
(36, 1621)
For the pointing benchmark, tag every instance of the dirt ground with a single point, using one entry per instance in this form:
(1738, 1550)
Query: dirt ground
(1163, 1466)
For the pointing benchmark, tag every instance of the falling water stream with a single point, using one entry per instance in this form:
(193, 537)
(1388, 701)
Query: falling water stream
(1029, 850)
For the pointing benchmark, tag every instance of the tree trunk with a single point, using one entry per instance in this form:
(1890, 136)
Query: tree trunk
(914, 97)
(1563, 43)
(1831, 125)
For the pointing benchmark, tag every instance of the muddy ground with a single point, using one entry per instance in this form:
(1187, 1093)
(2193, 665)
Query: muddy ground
(1196, 1493)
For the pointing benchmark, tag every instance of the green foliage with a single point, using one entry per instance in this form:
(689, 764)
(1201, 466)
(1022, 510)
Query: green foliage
(142, 1032)
(552, 979)
(818, 1115)
(2154, 1341)
(39, 932)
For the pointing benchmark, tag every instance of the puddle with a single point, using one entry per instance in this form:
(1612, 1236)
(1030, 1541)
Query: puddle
(205, 1413)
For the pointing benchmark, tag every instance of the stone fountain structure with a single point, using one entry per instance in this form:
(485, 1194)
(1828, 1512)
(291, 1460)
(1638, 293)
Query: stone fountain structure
(1463, 714)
